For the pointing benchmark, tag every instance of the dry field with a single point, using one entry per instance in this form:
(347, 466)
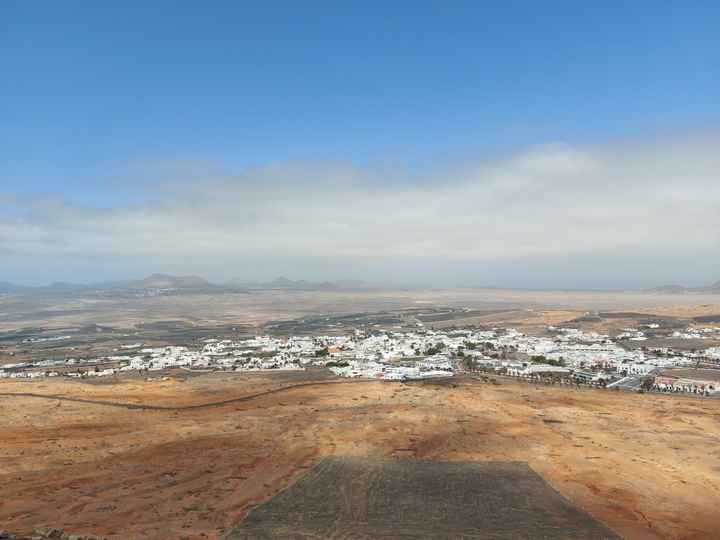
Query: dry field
(645, 466)
(258, 307)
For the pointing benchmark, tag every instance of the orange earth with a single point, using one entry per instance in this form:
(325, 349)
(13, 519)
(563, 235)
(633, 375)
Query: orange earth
(647, 466)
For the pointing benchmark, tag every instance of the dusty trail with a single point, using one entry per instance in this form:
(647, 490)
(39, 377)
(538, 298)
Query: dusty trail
(137, 406)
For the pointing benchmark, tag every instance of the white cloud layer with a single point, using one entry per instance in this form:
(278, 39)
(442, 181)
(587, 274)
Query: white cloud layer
(549, 205)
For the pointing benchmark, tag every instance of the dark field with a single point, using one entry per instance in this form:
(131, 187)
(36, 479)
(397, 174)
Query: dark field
(90, 341)
(455, 314)
(332, 323)
(644, 317)
(418, 499)
(707, 319)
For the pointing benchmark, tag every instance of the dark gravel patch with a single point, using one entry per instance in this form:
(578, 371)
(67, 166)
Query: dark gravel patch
(367, 499)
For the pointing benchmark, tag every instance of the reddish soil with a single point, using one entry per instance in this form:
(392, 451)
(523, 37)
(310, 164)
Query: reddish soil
(646, 466)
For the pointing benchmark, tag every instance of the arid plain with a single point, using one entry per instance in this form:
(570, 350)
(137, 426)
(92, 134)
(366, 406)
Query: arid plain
(647, 468)
(259, 307)
(188, 456)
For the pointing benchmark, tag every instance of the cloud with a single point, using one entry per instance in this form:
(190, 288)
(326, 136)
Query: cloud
(616, 203)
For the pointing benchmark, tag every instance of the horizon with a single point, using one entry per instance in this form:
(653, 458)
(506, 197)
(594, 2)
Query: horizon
(342, 284)
(525, 146)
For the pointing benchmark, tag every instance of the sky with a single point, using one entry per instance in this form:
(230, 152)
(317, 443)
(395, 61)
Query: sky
(516, 144)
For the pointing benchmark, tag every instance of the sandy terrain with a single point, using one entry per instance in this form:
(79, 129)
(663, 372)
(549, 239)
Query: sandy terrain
(646, 466)
(259, 307)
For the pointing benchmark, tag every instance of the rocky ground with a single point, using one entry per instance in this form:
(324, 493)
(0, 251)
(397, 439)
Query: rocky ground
(48, 533)
(644, 465)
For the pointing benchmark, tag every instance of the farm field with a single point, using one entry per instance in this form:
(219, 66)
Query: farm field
(261, 307)
(424, 499)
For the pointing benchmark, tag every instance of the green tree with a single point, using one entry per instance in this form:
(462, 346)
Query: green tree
(647, 383)
(468, 363)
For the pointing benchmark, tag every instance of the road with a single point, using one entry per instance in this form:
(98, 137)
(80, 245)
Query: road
(136, 406)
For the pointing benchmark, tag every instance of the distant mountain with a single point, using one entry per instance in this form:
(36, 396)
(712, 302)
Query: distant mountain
(300, 285)
(58, 287)
(7, 287)
(351, 284)
(169, 284)
(62, 286)
(283, 283)
(679, 289)
(110, 285)
(165, 281)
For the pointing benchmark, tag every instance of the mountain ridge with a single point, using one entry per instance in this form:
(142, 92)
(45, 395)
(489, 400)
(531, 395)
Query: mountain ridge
(284, 283)
(161, 281)
(167, 281)
(681, 289)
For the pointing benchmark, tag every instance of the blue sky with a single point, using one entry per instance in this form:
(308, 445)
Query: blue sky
(97, 96)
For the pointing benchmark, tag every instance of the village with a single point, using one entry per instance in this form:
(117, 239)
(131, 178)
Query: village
(562, 355)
